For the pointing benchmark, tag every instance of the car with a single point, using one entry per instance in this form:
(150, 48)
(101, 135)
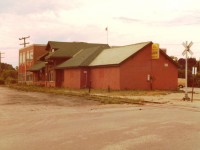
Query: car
(181, 82)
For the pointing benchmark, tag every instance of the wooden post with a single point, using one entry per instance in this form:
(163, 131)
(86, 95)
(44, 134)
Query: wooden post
(192, 88)
(108, 88)
(90, 86)
(194, 72)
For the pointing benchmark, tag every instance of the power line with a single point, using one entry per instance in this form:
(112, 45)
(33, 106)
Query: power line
(177, 44)
(24, 38)
(169, 44)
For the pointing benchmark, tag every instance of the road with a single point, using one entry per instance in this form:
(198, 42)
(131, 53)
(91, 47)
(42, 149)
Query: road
(38, 121)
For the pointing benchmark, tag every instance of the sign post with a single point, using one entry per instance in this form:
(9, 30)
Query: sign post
(194, 72)
(185, 52)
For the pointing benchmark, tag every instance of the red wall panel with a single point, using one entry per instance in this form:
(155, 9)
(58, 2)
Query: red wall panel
(104, 77)
(165, 74)
(72, 78)
(134, 72)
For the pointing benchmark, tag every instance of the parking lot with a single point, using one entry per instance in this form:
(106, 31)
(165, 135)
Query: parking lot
(38, 121)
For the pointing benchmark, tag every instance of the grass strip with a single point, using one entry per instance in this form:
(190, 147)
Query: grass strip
(102, 96)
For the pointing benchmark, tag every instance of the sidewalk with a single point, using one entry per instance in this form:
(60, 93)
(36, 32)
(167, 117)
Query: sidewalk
(172, 98)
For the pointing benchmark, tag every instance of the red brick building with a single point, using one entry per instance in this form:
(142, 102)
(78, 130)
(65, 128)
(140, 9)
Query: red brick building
(27, 58)
(120, 68)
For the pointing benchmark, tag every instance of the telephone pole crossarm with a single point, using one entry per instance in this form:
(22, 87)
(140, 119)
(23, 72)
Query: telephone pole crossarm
(24, 40)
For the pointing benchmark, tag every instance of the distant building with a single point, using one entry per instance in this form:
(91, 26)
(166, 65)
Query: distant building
(28, 57)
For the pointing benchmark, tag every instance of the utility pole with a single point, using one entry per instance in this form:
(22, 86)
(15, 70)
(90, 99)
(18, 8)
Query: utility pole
(24, 42)
(0, 59)
(185, 52)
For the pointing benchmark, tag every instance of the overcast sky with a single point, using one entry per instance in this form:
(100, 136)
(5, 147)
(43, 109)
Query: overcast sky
(167, 22)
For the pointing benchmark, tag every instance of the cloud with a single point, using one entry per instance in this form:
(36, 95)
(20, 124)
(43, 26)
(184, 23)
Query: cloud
(184, 20)
(188, 18)
(85, 20)
(128, 20)
(23, 7)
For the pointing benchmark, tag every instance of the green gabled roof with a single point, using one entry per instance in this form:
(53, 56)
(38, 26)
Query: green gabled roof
(49, 55)
(42, 57)
(68, 49)
(115, 56)
(37, 66)
(83, 58)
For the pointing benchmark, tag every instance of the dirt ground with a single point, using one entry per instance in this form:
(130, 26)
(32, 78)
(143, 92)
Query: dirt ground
(38, 121)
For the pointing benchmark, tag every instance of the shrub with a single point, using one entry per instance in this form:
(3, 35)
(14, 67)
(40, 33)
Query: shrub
(10, 80)
(2, 81)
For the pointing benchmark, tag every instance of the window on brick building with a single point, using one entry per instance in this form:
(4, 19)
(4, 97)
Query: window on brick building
(27, 55)
(31, 55)
(20, 58)
(23, 57)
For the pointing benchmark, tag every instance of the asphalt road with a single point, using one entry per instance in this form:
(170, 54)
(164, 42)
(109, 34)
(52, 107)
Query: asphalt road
(37, 121)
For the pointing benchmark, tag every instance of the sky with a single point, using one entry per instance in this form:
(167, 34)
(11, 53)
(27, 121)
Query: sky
(167, 22)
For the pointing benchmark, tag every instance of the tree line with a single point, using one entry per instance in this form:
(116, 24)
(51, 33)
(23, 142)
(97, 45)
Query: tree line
(8, 74)
(192, 62)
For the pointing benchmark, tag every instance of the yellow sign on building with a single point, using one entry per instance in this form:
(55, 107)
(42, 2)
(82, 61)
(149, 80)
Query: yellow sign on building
(155, 51)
